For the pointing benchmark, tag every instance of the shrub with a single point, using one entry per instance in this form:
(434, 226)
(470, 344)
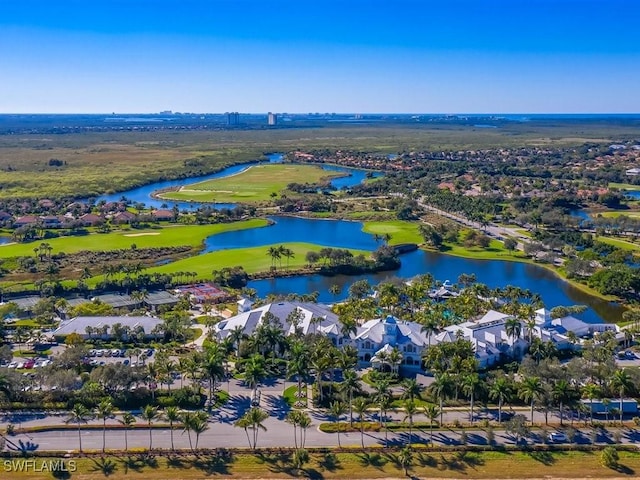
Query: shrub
(609, 458)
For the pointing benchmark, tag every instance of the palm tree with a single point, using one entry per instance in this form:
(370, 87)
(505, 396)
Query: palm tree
(298, 364)
(562, 393)
(441, 388)
(513, 328)
(623, 383)
(411, 389)
(430, 326)
(104, 411)
(252, 420)
(254, 372)
(199, 425)
(385, 403)
(471, 384)
(79, 414)
(128, 420)
(410, 410)
(381, 387)
(350, 384)
(394, 359)
(293, 417)
(405, 458)
(337, 410)
(531, 388)
(432, 412)
(304, 422)
(591, 391)
(172, 415)
(500, 389)
(149, 414)
(360, 405)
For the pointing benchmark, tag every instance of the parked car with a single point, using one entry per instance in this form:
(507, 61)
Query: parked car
(558, 437)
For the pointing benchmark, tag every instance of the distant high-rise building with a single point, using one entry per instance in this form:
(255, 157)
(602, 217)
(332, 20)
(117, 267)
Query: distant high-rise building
(272, 119)
(233, 118)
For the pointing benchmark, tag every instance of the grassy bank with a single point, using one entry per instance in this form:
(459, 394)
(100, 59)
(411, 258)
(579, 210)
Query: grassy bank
(165, 236)
(253, 260)
(400, 231)
(256, 183)
(352, 465)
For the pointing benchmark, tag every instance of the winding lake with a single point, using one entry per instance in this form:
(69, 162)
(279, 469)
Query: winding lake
(345, 234)
(143, 194)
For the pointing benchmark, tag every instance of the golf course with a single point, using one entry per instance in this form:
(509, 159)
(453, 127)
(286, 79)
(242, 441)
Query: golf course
(256, 183)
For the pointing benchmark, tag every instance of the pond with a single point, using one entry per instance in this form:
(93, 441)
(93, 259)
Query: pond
(143, 194)
(344, 234)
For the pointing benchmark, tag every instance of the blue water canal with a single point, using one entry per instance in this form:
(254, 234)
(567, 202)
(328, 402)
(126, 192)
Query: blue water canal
(345, 234)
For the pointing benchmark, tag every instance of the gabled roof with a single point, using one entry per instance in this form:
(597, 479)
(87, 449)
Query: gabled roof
(328, 321)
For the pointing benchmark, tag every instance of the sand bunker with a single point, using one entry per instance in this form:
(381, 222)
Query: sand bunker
(141, 234)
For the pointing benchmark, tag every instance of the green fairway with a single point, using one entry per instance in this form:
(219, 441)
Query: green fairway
(624, 186)
(617, 242)
(619, 213)
(253, 260)
(167, 236)
(400, 231)
(254, 184)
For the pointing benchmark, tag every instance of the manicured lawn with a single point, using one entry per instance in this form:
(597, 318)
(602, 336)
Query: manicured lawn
(624, 186)
(619, 213)
(253, 260)
(166, 236)
(617, 242)
(352, 465)
(495, 251)
(400, 231)
(254, 184)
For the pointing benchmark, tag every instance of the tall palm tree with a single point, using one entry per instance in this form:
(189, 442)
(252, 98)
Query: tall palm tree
(293, 417)
(530, 390)
(360, 405)
(298, 364)
(104, 412)
(513, 328)
(410, 409)
(199, 425)
(172, 415)
(591, 391)
(441, 388)
(471, 385)
(411, 389)
(149, 414)
(500, 390)
(623, 384)
(253, 420)
(337, 409)
(381, 387)
(350, 384)
(127, 421)
(254, 372)
(79, 414)
(432, 412)
(385, 403)
(562, 393)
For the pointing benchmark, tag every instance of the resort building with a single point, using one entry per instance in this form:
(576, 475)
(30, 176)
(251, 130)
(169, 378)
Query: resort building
(391, 342)
(306, 318)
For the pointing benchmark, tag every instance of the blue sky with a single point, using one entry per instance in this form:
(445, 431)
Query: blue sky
(413, 56)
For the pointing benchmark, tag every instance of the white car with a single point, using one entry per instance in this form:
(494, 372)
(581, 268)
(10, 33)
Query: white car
(558, 437)
(12, 365)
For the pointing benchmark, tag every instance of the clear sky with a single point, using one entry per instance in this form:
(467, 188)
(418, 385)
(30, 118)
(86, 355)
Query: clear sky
(412, 56)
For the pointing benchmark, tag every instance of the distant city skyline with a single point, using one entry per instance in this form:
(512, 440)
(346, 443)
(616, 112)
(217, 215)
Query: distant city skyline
(360, 56)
